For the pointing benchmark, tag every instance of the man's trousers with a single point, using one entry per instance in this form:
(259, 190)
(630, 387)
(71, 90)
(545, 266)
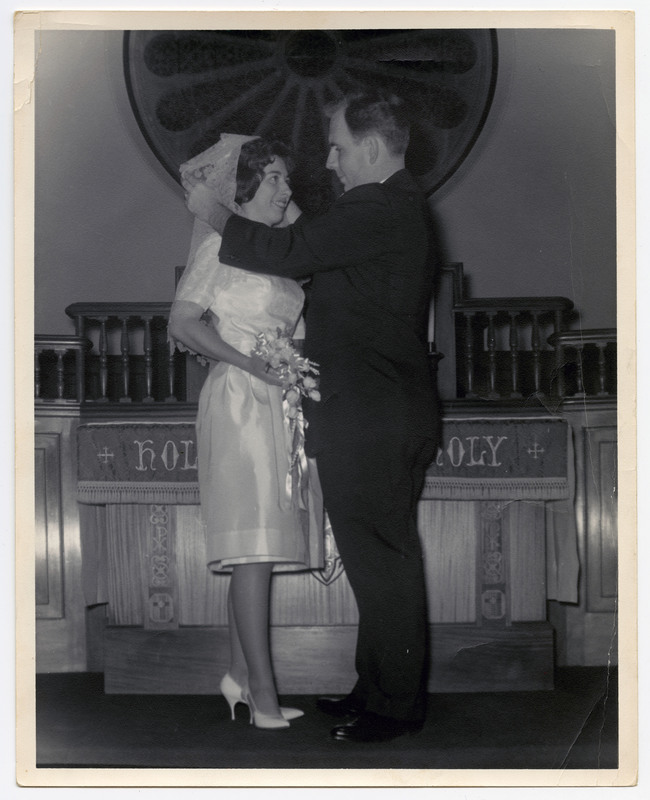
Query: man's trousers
(371, 488)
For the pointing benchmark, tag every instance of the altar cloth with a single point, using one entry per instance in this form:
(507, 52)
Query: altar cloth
(137, 462)
(528, 459)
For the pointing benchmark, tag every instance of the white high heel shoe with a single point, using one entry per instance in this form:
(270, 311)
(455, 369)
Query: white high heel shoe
(265, 721)
(234, 693)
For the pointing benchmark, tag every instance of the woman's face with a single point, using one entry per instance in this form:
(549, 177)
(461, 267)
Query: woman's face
(272, 197)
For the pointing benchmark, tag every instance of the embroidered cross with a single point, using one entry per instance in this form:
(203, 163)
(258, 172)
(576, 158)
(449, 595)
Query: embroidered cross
(161, 608)
(104, 455)
(161, 602)
(535, 450)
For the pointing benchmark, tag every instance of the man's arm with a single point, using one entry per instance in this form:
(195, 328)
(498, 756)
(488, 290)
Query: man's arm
(357, 227)
(203, 203)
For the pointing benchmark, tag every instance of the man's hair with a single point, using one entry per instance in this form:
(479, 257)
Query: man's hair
(376, 111)
(255, 155)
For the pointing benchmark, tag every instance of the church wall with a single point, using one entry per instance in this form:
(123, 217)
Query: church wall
(530, 212)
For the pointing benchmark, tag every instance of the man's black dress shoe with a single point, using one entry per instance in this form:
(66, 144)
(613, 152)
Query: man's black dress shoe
(369, 727)
(348, 706)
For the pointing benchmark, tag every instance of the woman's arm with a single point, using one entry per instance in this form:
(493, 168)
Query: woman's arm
(185, 325)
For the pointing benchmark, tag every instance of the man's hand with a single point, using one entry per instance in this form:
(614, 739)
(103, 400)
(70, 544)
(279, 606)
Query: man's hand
(204, 204)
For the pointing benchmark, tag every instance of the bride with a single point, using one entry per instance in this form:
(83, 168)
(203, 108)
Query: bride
(260, 497)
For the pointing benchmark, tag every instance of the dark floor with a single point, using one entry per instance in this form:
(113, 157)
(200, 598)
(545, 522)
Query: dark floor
(572, 727)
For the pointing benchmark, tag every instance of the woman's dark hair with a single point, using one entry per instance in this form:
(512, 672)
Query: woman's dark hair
(254, 156)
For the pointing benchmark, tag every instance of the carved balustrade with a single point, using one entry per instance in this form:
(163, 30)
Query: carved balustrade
(131, 360)
(586, 362)
(505, 347)
(59, 369)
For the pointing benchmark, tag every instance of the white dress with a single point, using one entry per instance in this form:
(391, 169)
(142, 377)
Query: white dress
(254, 505)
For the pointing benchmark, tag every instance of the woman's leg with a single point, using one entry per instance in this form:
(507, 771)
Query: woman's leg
(237, 670)
(249, 597)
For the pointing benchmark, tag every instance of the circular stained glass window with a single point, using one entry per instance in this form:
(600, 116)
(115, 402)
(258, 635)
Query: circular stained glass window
(188, 87)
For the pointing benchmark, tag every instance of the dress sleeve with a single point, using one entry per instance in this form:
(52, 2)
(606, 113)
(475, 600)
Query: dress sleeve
(200, 283)
(204, 276)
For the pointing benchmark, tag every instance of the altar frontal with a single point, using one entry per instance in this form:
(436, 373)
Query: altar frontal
(480, 459)
(501, 459)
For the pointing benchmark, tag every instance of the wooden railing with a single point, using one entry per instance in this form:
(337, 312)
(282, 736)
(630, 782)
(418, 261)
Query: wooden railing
(504, 349)
(59, 369)
(587, 362)
(131, 360)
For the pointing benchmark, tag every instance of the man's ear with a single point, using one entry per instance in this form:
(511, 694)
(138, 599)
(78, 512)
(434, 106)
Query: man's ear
(372, 146)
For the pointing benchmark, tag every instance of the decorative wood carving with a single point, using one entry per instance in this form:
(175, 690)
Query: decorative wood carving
(494, 608)
(161, 603)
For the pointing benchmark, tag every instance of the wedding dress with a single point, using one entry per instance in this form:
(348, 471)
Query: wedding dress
(256, 505)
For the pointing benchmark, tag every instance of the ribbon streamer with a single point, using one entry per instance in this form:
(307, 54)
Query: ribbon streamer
(295, 428)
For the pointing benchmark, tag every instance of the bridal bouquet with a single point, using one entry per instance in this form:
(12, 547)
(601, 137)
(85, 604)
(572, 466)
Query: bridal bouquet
(298, 374)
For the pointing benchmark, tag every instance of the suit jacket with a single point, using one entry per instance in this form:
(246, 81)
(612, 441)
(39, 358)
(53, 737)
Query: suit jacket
(369, 255)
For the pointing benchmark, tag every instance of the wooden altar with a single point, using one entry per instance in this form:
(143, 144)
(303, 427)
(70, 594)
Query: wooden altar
(483, 521)
(121, 583)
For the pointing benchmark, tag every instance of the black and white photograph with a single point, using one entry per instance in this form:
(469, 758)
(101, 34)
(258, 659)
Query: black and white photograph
(327, 477)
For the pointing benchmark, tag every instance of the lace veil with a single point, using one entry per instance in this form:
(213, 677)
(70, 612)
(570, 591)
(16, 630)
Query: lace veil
(217, 168)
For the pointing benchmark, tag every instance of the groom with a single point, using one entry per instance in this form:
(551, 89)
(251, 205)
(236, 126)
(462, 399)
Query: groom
(373, 433)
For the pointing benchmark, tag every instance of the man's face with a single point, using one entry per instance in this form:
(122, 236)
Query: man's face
(348, 158)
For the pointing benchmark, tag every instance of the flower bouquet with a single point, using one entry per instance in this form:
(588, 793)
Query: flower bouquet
(299, 379)
(297, 373)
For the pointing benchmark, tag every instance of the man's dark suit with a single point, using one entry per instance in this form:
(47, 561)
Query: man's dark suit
(373, 432)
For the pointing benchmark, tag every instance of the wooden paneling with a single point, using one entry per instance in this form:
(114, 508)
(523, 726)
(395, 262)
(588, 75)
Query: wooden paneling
(199, 596)
(448, 532)
(126, 574)
(601, 533)
(492, 659)
(525, 523)
(302, 599)
(48, 530)
(313, 660)
(313, 622)
(185, 661)
(587, 630)
(61, 624)
(202, 596)
(448, 529)
(193, 660)
(297, 598)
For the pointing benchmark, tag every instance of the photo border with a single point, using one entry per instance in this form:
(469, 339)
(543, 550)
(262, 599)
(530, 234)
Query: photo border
(26, 24)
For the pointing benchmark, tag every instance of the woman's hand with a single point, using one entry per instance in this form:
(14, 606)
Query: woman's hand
(291, 214)
(264, 371)
(204, 203)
